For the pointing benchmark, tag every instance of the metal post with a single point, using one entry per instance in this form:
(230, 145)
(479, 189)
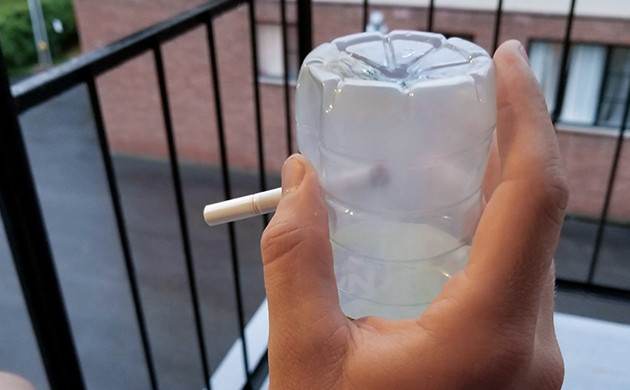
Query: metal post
(365, 14)
(122, 229)
(31, 250)
(599, 238)
(42, 46)
(430, 14)
(564, 66)
(287, 93)
(305, 28)
(181, 212)
(497, 26)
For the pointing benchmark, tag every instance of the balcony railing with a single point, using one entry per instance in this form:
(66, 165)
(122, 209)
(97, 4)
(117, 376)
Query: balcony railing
(28, 235)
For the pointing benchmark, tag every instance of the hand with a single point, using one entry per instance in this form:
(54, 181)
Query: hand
(491, 327)
(10, 381)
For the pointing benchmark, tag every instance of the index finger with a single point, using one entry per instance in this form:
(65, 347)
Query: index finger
(518, 232)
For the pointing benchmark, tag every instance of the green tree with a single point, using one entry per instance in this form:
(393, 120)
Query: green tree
(16, 34)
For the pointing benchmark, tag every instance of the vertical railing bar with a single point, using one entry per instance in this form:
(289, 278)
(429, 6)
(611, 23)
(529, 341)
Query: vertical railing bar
(365, 14)
(262, 175)
(227, 190)
(181, 211)
(497, 26)
(287, 97)
(305, 27)
(259, 374)
(564, 65)
(31, 252)
(430, 14)
(122, 229)
(609, 189)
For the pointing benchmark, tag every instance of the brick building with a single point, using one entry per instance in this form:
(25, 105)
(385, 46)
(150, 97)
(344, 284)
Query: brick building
(599, 77)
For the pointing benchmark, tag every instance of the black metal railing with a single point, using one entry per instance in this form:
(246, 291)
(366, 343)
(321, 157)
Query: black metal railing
(27, 236)
(22, 216)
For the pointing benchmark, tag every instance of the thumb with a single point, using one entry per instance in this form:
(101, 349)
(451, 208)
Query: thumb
(297, 256)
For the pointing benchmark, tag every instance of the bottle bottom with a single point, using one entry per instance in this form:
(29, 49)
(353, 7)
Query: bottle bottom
(354, 308)
(393, 269)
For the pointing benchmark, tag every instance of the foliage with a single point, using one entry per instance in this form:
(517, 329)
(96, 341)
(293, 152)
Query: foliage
(16, 35)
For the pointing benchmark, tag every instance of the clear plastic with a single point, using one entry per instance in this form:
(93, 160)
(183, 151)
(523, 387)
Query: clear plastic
(399, 128)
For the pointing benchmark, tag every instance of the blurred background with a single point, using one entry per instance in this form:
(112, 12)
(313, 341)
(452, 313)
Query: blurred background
(136, 113)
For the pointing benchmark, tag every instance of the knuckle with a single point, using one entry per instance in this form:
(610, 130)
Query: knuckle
(501, 365)
(550, 192)
(283, 238)
(555, 197)
(274, 239)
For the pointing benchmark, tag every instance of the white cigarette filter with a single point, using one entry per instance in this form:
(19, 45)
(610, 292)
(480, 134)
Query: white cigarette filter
(243, 207)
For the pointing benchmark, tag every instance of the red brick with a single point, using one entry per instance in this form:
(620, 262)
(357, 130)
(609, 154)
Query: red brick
(131, 103)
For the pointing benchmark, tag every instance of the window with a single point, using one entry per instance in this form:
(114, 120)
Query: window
(597, 82)
(270, 55)
(615, 87)
(545, 59)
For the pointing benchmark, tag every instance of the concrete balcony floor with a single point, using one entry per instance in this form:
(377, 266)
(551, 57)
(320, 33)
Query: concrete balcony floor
(65, 159)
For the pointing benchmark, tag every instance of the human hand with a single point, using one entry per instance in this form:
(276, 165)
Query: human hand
(491, 327)
(10, 381)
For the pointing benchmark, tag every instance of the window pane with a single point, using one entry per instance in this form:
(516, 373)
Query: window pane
(586, 70)
(545, 58)
(270, 56)
(270, 50)
(615, 88)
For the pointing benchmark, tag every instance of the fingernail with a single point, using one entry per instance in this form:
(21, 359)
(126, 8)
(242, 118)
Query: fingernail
(292, 174)
(524, 53)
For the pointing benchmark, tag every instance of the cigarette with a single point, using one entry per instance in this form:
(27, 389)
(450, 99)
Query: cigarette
(240, 208)
(266, 202)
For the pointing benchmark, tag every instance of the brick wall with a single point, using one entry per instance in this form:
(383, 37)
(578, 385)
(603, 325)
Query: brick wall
(588, 159)
(132, 109)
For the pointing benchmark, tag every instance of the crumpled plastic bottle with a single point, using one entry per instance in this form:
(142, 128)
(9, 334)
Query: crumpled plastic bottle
(399, 128)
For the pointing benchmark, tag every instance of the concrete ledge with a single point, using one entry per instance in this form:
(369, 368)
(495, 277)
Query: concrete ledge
(596, 353)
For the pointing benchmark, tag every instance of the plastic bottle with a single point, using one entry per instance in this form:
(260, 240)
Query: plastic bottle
(399, 128)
